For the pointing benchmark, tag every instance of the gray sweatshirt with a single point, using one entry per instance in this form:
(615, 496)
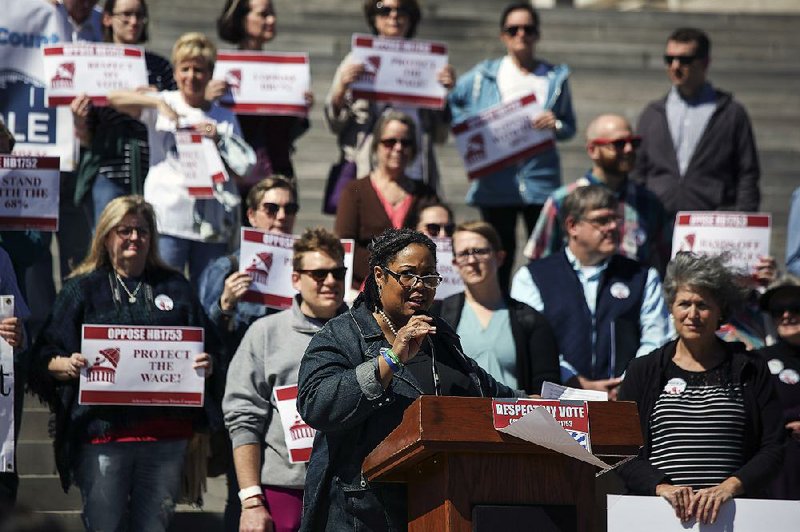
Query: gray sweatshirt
(268, 356)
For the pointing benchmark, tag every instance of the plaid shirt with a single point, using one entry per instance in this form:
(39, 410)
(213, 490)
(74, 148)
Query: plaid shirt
(646, 232)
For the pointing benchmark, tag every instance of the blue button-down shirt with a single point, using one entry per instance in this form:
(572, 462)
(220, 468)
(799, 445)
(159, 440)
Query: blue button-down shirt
(687, 120)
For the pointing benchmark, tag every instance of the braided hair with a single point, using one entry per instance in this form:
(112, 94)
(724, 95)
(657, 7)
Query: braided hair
(383, 249)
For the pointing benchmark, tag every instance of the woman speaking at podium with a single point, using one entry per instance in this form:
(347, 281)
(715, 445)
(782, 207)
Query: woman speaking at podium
(364, 368)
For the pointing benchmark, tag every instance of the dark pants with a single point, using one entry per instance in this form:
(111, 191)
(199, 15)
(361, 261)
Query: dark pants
(504, 220)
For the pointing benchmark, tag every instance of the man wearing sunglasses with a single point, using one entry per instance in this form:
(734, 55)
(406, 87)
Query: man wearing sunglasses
(605, 309)
(269, 356)
(612, 147)
(698, 151)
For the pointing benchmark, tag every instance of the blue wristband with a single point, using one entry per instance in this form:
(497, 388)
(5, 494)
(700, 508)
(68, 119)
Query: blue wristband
(388, 358)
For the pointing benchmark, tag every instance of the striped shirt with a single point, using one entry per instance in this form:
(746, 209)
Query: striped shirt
(697, 427)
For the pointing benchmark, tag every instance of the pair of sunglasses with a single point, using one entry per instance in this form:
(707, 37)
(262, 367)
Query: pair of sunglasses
(527, 29)
(272, 208)
(619, 144)
(684, 60)
(384, 11)
(435, 229)
(322, 274)
(391, 143)
(778, 310)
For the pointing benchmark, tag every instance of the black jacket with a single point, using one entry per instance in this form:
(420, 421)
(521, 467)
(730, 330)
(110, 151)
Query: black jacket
(723, 172)
(763, 445)
(537, 350)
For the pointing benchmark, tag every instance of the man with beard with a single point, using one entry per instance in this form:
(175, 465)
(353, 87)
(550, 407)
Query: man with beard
(612, 147)
(605, 309)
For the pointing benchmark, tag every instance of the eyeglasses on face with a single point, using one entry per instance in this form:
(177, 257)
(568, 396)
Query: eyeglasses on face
(321, 274)
(777, 311)
(436, 229)
(684, 60)
(126, 231)
(409, 280)
(391, 143)
(619, 144)
(527, 29)
(480, 254)
(601, 222)
(384, 11)
(271, 209)
(129, 15)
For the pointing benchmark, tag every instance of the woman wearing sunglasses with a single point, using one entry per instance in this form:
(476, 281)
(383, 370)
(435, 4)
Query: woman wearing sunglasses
(521, 188)
(386, 197)
(363, 369)
(433, 219)
(510, 340)
(352, 120)
(782, 302)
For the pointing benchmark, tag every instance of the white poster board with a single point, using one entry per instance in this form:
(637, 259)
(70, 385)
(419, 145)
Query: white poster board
(400, 71)
(299, 437)
(6, 392)
(627, 513)
(138, 365)
(501, 136)
(91, 68)
(744, 236)
(264, 83)
(201, 164)
(451, 279)
(29, 193)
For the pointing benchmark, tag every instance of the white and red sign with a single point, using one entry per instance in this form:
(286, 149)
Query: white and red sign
(201, 164)
(501, 136)
(29, 192)
(298, 435)
(264, 83)
(573, 416)
(6, 392)
(267, 258)
(451, 279)
(141, 365)
(91, 68)
(744, 236)
(400, 71)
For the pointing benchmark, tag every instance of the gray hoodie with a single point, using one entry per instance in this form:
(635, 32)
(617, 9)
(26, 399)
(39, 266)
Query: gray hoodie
(268, 356)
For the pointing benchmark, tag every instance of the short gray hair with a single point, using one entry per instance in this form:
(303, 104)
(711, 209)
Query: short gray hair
(709, 272)
(584, 199)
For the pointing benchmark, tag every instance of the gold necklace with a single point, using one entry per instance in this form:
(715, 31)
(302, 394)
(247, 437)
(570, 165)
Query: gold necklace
(131, 295)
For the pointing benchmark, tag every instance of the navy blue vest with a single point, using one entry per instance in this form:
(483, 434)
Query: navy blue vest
(616, 322)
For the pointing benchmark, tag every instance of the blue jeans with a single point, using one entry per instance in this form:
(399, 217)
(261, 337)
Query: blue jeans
(177, 252)
(103, 191)
(139, 479)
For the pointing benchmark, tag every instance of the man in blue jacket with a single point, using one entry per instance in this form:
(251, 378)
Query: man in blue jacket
(605, 309)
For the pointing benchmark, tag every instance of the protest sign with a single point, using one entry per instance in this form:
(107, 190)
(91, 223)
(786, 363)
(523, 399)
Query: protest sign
(744, 236)
(6, 392)
(201, 164)
(25, 28)
(91, 68)
(299, 437)
(400, 71)
(501, 136)
(573, 416)
(451, 279)
(267, 258)
(264, 83)
(29, 193)
(141, 365)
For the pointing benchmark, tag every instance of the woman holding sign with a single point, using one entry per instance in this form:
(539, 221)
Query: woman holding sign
(710, 416)
(363, 369)
(127, 460)
(352, 120)
(522, 187)
(250, 24)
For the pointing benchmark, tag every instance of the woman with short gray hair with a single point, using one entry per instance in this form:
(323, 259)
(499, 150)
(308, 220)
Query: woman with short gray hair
(709, 414)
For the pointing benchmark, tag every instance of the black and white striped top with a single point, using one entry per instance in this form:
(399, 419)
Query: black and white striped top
(697, 433)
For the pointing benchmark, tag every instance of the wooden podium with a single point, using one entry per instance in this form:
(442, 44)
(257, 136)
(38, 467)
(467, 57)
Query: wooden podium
(465, 476)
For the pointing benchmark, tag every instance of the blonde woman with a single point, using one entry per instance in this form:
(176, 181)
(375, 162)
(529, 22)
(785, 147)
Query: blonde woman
(194, 231)
(126, 460)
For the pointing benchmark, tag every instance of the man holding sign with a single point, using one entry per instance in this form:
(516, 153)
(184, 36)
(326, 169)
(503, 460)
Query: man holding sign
(271, 445)
(523, 184)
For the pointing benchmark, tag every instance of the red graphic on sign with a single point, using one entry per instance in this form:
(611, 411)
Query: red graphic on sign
(300, 429)
(476, 149)
(259, 269)
(64, 76)
(234, 80)
(372, 65)
(105, 365)
(687, 244)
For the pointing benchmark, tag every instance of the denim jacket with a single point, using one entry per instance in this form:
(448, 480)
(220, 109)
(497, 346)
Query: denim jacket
(527, 182)
(340, 396)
